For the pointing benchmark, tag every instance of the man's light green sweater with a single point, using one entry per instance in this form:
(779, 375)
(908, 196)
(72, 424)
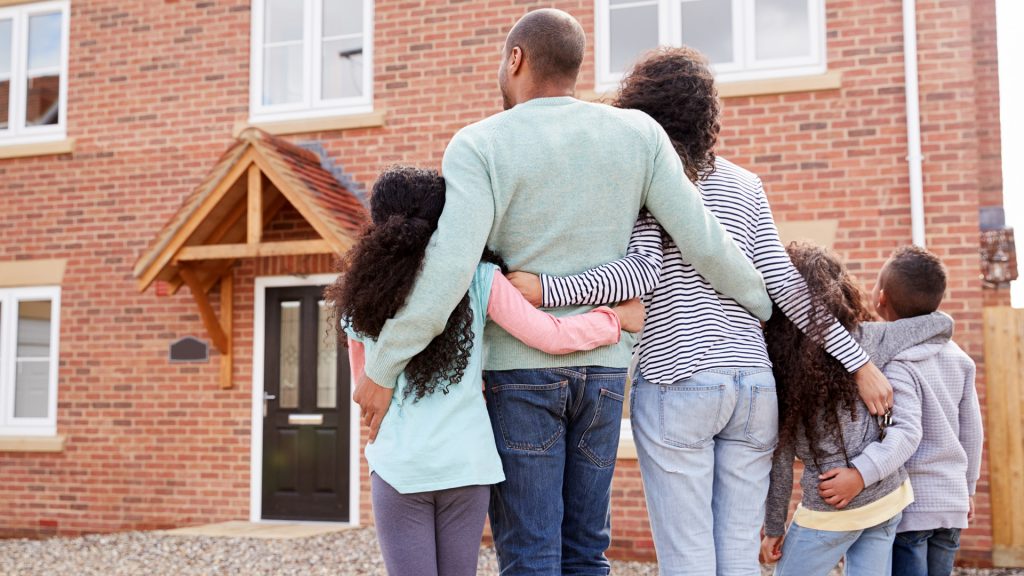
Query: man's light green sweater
(554, 185)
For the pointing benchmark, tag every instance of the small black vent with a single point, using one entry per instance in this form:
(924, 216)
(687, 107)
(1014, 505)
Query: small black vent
(189, 349)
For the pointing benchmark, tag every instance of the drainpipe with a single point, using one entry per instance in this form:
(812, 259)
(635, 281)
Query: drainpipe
(914, 157)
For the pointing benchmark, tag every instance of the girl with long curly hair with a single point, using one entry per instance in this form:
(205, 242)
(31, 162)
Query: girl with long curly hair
(434, 458)
(854, 484)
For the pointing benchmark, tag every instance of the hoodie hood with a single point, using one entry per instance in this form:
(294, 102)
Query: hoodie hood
(906, 339)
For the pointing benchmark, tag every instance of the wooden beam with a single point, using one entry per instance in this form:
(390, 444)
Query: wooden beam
(254, 220)
(189, 226)
(222, 251)
(273, 207)
(227, 296)
(213, 327)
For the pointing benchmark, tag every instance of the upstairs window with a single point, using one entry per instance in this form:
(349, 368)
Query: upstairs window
(29, 343)
(743, 39)
(33, 72)
(311, 58)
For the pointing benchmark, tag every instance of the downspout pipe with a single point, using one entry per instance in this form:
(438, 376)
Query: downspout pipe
(914, 156)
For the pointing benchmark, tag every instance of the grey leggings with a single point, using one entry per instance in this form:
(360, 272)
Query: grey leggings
(430, 533)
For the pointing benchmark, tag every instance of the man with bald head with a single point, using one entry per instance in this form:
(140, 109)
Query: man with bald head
(554, 185)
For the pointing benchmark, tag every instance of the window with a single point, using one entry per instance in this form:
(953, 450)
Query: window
(743, 39)
(29, 342)
(311, 58)
(33, 72)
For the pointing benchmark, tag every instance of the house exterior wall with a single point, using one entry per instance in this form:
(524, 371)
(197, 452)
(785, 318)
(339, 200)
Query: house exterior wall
(156, 90)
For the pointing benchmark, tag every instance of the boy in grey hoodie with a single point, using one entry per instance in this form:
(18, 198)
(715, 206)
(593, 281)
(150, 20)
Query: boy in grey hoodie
(945, 468)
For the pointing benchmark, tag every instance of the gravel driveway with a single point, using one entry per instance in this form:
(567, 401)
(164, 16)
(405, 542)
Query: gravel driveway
(157, 554)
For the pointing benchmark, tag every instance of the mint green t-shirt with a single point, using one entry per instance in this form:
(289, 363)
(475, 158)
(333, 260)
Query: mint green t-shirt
(442, 440)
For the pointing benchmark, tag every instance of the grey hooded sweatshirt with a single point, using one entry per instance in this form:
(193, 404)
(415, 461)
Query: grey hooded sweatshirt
(880, 462)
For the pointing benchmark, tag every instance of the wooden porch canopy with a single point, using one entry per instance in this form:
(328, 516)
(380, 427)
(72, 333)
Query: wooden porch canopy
(223, 219)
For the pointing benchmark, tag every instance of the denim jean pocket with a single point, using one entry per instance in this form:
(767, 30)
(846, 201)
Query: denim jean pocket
(600, 442)
(530, 415)
(762, 428)
(690, 415)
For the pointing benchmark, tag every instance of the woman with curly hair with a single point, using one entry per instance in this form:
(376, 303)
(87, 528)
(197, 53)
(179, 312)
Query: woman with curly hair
(854, 484)
(703, 406)
(434, 458)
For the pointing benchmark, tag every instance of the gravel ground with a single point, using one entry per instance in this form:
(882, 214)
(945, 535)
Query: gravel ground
(350, 552)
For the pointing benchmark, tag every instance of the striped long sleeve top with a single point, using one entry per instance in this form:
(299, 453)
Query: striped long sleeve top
(690, 327)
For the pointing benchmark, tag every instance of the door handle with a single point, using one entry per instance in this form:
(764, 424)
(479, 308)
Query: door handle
(267, 396)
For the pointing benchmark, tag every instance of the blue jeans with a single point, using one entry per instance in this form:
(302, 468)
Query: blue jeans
(925, 552)
(809, 552)
(705, 448)
(557, 431)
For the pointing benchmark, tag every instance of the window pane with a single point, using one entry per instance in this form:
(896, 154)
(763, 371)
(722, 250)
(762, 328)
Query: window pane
(31, 388)
(782, 29)
(326, 361)
(707, 26)
(5, 48)
(44, 41)
(282, 75)
(289, 372)
(342, 17)
(633, 31)
(283, 20)
(42, 100)
(342, 73)
(32, 367)
(34, 329)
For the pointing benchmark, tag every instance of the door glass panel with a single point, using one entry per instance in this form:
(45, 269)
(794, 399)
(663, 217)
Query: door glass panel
(342, 17)
(289, 376)
(342, 73)
(707, 26)
(634, 29)
(326, 360)
(782, 29)
(32, 371)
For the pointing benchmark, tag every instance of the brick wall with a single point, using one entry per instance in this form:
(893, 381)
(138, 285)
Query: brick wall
(156, 89)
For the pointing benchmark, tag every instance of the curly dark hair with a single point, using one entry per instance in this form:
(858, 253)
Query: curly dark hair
(811, 384)
(675, 87)
(378, 273)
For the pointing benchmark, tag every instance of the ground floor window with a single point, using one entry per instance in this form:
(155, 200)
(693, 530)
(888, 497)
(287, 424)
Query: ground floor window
(29, 348)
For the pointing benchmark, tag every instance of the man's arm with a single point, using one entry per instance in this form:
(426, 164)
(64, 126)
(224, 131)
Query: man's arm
(676, 204)
(451, 259)
(630, 277)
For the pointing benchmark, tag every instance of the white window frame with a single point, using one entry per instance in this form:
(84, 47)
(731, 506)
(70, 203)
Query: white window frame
(9, 299)
(745, 67)
(17, 132)
(311, 105)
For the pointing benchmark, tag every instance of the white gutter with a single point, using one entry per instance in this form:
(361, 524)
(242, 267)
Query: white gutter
(914, 157)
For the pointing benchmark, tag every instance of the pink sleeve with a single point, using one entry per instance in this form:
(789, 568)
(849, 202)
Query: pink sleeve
(356, 359)
(545, 332)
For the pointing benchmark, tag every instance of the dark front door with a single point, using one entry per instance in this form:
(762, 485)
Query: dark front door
(306, 410)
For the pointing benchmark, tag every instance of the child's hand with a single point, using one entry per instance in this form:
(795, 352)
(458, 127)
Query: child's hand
(529, 285)
(631, 315)
(771, 549)
(970, 509)
(839, 486)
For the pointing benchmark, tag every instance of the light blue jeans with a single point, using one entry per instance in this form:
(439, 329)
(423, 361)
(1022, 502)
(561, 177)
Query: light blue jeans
(705, 448)
(809, 552)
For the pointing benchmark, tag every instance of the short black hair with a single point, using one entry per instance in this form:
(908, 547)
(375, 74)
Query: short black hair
(914, 281)
(552, 42)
